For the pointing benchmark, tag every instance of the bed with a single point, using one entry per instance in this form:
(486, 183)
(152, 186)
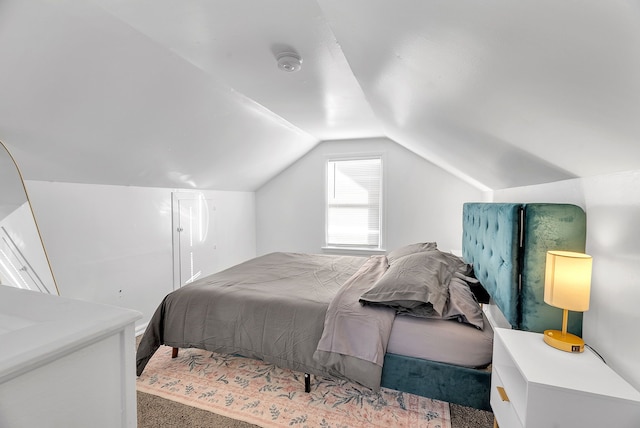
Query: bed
(351, 319)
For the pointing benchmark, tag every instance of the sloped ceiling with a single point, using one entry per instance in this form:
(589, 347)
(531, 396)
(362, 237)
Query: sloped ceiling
(186, 93)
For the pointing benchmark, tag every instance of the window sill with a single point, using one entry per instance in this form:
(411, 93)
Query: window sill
(354, 251)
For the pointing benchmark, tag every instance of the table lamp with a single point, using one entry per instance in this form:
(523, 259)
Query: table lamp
(567, 285)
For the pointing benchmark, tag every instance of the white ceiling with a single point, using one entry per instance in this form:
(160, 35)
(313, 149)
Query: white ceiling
(186, 93)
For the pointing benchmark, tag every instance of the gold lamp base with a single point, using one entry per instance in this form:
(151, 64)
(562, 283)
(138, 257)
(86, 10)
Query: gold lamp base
(564, 341)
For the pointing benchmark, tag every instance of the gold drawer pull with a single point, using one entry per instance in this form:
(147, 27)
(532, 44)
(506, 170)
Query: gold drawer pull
(503, 393)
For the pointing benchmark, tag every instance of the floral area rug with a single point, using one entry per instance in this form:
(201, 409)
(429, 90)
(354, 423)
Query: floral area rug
(263, 394)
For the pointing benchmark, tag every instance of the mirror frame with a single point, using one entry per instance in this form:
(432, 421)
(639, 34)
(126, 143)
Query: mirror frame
(33, 215)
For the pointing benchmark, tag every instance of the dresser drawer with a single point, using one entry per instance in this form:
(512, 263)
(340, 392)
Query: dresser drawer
(503, 408)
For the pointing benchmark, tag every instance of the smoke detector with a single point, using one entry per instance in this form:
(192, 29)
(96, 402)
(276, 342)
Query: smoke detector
(289, 62)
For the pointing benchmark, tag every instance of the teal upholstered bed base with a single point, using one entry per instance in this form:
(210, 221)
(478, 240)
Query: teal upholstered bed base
(445, 382)
(507, 245)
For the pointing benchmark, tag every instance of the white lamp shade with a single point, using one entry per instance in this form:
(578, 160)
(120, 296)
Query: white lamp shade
(567, 281)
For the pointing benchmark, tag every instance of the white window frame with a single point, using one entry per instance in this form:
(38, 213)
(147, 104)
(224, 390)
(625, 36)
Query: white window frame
(348, 248)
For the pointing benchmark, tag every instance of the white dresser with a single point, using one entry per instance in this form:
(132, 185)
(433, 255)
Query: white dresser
(536, 386)
(65, 363)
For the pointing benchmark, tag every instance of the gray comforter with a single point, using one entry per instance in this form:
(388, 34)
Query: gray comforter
(271, 308)
(355, 337)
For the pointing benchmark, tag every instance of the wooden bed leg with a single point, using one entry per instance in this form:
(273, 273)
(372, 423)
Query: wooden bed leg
(307, 382)
(174, 353)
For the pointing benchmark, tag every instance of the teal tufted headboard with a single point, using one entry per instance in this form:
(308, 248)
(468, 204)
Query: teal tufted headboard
(507, 245)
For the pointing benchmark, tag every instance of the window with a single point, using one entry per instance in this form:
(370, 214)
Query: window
(354, 202)
(15, 268)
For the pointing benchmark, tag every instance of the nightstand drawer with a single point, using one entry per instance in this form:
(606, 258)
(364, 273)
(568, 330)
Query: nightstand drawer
(503, 409)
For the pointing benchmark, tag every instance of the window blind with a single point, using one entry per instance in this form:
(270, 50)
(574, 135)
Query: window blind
(354, 202)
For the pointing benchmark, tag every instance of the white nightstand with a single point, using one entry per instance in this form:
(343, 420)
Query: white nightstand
(535, 385)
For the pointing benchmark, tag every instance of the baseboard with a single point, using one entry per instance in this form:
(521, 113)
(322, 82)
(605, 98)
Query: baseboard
(141, 328)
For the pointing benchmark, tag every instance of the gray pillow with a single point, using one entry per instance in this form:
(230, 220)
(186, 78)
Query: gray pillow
(462, 305)
(412, 281)
(410, 249)
(427, 285)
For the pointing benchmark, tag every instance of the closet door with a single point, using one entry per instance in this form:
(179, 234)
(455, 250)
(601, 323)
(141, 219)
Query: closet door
(194, 237)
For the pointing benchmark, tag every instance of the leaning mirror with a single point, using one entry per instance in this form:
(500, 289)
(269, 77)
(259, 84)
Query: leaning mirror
(23, 259)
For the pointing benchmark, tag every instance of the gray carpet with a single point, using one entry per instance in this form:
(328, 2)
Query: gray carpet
(156, 412)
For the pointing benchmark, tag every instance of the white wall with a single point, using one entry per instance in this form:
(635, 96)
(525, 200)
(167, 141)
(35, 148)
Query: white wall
(113, 244)
(422, 201)
(612, 204)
